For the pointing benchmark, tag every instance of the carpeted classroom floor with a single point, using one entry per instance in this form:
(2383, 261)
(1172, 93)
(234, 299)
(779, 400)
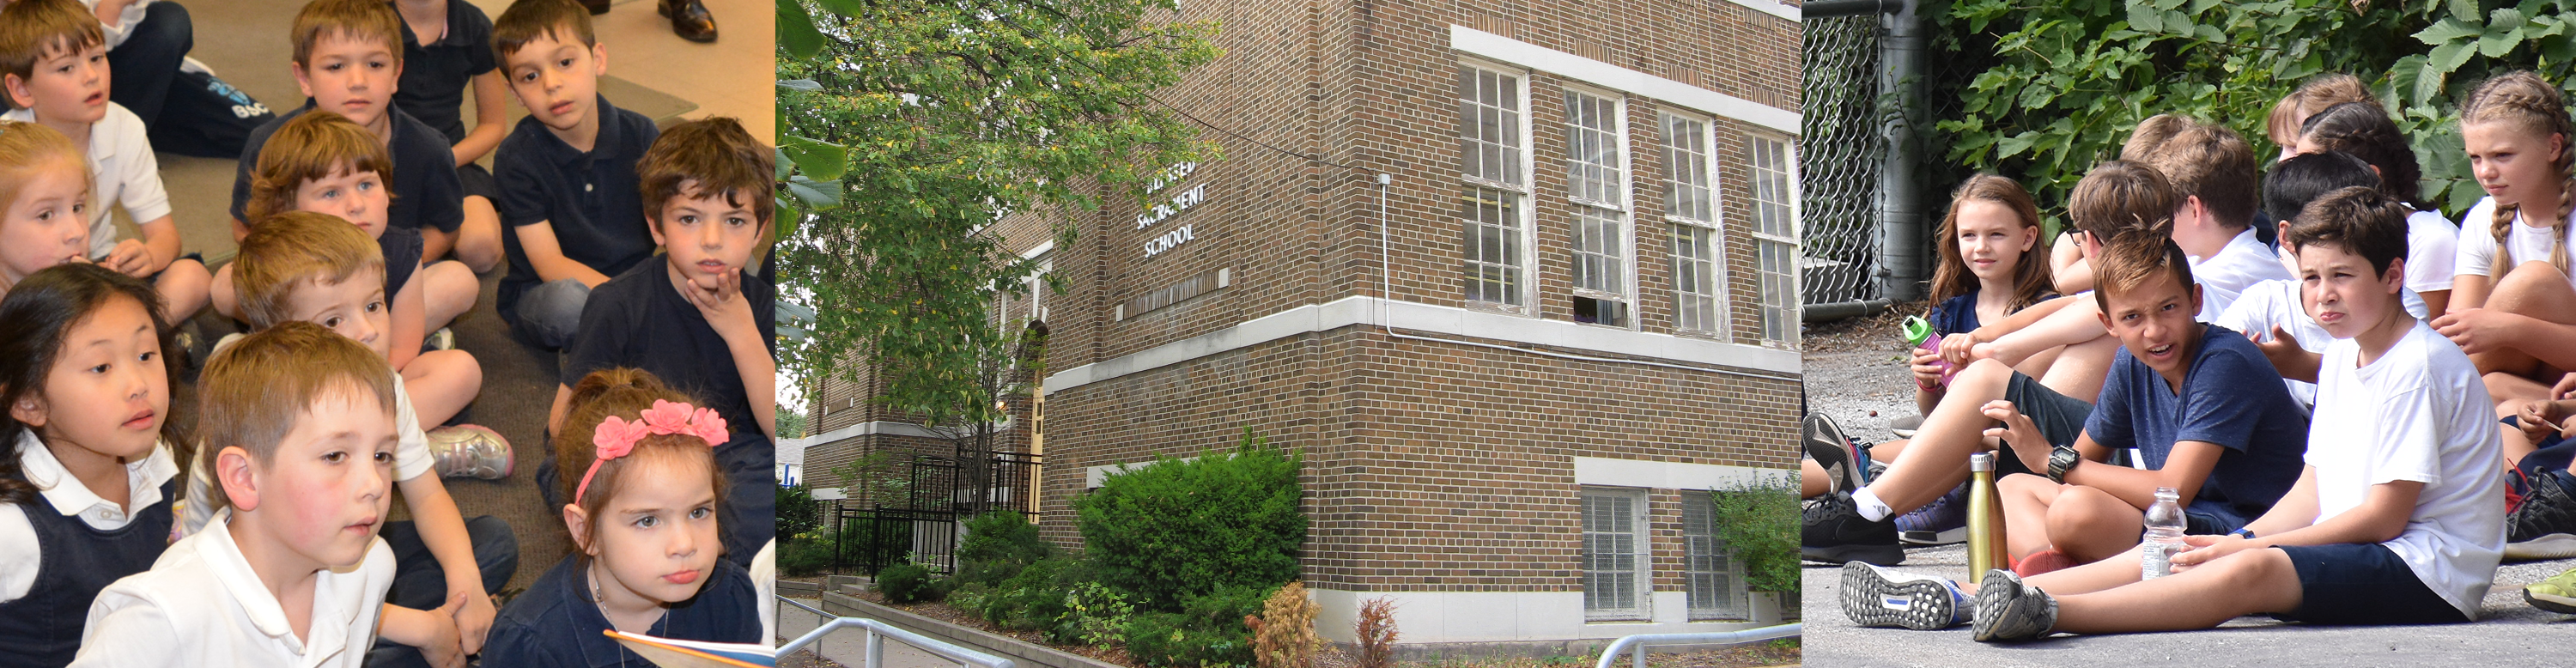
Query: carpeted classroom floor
(651, 72)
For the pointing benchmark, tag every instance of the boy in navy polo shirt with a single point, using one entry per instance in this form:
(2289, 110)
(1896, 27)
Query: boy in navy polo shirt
(566, 173)
(447, 48)
(347, 55)
(696, 317)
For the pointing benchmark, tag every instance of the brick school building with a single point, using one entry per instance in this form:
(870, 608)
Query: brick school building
(1513, 367)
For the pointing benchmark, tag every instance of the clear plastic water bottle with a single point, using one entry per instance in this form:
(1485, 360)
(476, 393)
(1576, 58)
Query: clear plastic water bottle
(2164, 535)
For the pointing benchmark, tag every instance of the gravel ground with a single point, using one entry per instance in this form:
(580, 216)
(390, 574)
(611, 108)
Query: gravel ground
(1855, 373)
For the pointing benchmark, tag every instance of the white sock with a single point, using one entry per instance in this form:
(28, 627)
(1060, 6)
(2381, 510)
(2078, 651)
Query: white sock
(1871, 508)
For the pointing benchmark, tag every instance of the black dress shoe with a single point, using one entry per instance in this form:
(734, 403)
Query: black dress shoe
(689, 19)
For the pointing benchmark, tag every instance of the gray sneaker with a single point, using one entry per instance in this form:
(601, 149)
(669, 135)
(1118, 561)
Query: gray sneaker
(466, 450)
(1905, 427)
(2009, 609)
(443, 339)
(1880, 597)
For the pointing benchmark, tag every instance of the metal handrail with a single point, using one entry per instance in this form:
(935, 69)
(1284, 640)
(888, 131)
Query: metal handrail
(876, 644)
(1641, 641)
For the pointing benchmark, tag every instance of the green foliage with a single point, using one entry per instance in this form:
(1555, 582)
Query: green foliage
(997, 545)
(1032, 599)
(1759, 522)
(906, 583)
(942, 117)
(1093, 615)
(1176, 529)
(798, 515)
(1163, 639)
(873, 478)
(2045, 90)
(804, 556)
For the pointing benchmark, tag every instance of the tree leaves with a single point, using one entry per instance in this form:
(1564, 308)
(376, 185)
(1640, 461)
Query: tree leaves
(2047, 90)
(914, 127)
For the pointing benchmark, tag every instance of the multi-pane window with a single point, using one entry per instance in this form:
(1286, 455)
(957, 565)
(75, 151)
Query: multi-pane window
(1775, 233)
(1690, 204)
(1716, 588)
(1491, 208)
(1596, 180)
(1493, 218)
(1615, 557)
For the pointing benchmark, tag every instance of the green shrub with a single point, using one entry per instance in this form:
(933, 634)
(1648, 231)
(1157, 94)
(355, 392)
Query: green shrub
(798, 515)
(907, 583)
(1177, 529)
(1033, 599)
(1173, 640)
(1226, 607)
(805, 556)
(1093, 615)
(997, 545)
(1758, 522)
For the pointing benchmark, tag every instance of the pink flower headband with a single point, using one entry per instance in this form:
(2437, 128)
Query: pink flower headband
(616, 436)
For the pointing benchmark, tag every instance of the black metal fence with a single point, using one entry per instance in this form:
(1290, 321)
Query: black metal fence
(926, 525)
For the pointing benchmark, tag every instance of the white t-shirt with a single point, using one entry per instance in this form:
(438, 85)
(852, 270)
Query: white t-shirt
(201, 605)
(2243, 262)
(120, 156)
(2432, 249)
(411, 459)
(2420, 413)
(2478, 244)
(19, 556)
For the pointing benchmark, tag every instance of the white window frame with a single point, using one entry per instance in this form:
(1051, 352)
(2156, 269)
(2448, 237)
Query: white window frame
(1788, 172)
(1524, 293)
(1715, 225)
(1732, 604)
(1618, 207)
(1641, 576)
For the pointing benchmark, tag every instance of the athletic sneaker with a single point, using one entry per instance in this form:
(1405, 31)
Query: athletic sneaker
(443, 339)
(1832, 531)
(2009, 609)
(467, 450)
(1905, 427)
(2556, 594)
(2544, 526)
(1879, 597)
(1944, 521)
(2043, 561)
(1841, 459)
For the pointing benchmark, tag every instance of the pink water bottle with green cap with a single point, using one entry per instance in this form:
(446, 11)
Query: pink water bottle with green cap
(1918, 333)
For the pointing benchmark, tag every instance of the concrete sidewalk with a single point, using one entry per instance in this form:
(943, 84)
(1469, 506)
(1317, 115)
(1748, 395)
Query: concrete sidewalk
(850, 647)
(2508, 633)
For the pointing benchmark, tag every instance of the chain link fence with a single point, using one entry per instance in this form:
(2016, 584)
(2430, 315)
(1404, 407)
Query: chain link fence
(1842, 145)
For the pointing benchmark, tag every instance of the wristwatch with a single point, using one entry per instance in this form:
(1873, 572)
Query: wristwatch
(2061, 460)
(2247, 533)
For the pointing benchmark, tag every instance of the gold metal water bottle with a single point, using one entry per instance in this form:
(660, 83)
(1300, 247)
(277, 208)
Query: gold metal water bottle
(1985, 518)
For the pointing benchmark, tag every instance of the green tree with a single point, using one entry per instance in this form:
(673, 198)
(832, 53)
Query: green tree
(933, 119)
(1759, 524)
(2045, 90)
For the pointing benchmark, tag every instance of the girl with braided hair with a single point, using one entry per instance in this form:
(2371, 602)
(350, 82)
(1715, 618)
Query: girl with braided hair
(2512, 306)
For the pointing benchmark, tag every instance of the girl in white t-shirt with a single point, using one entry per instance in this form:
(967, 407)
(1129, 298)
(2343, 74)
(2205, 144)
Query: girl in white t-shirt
(2432, 242)
(2512, 306)
(44, 201)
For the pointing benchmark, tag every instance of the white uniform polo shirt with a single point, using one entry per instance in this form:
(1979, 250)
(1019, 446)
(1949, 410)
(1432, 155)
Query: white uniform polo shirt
(201, 605)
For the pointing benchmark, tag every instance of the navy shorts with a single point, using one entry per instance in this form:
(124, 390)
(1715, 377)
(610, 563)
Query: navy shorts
(2060, 418)
(478, 182)
(2212, 519)
(2360, 584)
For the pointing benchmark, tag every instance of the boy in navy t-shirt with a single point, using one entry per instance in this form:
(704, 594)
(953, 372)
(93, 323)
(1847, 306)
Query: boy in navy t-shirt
(696, 317)
(2201, 404)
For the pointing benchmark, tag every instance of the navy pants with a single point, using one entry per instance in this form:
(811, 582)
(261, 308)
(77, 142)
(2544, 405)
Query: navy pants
(420, 584)
(187, 113)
